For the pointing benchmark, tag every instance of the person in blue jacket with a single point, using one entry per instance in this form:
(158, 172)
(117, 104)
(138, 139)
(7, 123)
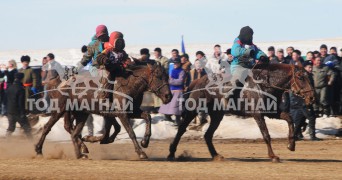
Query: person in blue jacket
(244, 52)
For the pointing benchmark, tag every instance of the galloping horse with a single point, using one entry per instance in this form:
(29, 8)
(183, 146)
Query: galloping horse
(276, 79)
(129, 88)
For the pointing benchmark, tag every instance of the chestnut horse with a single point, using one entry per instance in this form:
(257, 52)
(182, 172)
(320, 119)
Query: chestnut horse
(129, 88)
(276, 79)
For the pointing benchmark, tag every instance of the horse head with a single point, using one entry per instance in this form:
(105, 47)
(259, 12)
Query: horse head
(158, 82)
(300, 84)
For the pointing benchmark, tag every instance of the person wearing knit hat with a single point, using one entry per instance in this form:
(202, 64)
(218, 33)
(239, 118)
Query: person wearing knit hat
(244, 51)
(94, 48)
(101, 30)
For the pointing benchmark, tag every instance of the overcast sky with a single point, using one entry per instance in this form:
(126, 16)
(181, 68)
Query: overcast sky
(49, 24)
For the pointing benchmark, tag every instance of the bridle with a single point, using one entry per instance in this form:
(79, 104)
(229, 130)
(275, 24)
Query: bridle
(293, 86)
(150, 81)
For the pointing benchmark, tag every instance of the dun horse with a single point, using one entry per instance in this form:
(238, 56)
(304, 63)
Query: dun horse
(276, 79)
(130, 88)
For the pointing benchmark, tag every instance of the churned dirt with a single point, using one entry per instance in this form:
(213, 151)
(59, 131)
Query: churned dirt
(244, 159)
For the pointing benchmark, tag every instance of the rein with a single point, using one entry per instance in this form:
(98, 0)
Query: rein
(150, 81)
(292, 86)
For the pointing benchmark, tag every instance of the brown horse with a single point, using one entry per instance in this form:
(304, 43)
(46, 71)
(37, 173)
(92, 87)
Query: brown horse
(276, 79)
(129, 88)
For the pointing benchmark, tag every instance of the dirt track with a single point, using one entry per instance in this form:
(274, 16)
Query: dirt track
(244, 159)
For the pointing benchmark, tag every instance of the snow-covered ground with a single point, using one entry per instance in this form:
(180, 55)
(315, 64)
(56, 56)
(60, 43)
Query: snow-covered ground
(231, 126)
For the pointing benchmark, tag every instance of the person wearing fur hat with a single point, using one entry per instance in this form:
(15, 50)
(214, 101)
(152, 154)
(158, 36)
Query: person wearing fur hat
(30, 79)
(16, 106)
(244, 51)
(94, 48)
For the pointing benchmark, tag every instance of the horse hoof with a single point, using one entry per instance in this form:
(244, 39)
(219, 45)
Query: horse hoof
(84, 149)
(143, 156)
(84, 157)
(275, 159)
(171, 158)
(144, 143)
(218, 158)
(104, 141)
(39, 156)
(291, 147)
(111, 140)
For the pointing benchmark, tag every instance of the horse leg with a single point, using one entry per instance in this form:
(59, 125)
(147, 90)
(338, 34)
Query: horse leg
(216, 118)
(292, 143)
(147, 117)
(105, 139)
(188, 116)
(81, 119)
(125, 122)
(68, 126)
(47, 128)
(108, 125)
(117, 129)
(267, 138)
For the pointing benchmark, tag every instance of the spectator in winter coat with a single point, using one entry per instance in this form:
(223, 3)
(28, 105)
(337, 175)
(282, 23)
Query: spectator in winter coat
(174, 55)
(52, 68)
(308, 65)
(316, 54)
(213, 64)
(296, 60)
(200, 56)
(16, 107)
(145, 57)
(162, 59)
(196, 73)
(280, 56)
(186, 66)
(176, 82)
(323, 77)
(9, 72)
(289, 51)
(30, 79)
(309, 56)
(271, 55)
